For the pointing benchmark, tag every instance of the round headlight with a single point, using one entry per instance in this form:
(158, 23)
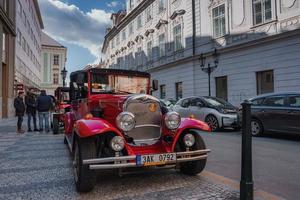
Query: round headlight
(172, 120)
(125, 121)
(189, 140)
(117, 143)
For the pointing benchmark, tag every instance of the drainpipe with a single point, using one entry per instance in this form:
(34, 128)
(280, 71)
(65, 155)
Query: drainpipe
(194, 27)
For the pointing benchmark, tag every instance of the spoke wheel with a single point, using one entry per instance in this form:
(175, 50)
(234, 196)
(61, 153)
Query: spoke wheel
(85, 179)
(212, 122)
(256, 127)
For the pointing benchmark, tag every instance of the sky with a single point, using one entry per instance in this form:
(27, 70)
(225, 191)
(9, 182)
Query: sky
(80, 26)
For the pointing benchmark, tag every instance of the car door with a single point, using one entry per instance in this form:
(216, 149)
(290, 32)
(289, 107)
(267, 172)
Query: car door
(182, 107)
(196, 109)
(271, 113)
(292, 117)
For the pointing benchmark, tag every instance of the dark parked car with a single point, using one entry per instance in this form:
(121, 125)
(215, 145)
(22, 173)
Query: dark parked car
(279, 112)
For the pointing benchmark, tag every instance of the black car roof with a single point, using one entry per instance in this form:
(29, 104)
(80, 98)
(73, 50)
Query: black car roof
(273, 94)
(115, 71)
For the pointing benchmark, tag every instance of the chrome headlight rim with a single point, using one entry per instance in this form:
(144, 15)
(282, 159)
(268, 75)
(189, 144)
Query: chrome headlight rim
(117, 143)
(170, 122)
(189, 140)
(121, 123)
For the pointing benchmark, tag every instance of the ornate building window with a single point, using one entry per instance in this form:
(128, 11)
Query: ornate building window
(162, 45)
(131, 28)
(148, 14)
(262, 11)
(124, 34)
(161, 5)
(177, 37)
(131, 4)
(149, 50)
(219, 22)
(55, 78)
(163, 91)
(178, 90)
(56, 59)
(139, 22)
(118, 39)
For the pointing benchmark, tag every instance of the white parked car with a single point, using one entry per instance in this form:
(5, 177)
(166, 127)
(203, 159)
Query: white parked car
(216, 112)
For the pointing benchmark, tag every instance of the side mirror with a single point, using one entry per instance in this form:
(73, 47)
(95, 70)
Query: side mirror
(154, 85)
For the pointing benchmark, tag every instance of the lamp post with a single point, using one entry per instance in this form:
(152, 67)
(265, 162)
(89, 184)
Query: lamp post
(209, 68)
(64, 75)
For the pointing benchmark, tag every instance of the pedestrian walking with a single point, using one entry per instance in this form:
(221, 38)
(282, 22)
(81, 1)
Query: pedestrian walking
(30, 102)
(44, 105)
(20, 111)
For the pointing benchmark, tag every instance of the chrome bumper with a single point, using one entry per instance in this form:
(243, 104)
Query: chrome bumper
(130, 161)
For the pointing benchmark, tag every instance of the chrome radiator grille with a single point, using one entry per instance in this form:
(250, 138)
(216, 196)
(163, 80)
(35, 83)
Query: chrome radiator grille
(148, 115)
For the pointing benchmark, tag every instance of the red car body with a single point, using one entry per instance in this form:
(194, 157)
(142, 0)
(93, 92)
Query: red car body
(93, 124)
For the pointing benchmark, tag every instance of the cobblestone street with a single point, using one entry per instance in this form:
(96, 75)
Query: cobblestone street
(38, 166)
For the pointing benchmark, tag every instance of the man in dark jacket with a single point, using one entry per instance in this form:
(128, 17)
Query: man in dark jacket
(44, 105)
(30, 102)
(20, 110)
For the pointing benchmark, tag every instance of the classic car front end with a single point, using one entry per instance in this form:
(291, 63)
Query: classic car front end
(115, 129)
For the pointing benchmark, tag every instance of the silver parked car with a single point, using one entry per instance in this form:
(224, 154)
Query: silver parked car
(216, 112)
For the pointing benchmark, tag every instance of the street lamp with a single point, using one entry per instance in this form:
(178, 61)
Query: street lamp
(64, 75)
(210, 68)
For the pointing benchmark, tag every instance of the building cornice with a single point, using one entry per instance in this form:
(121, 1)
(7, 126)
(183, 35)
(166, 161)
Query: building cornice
(8, 22)
(125, 21)
(38, 13)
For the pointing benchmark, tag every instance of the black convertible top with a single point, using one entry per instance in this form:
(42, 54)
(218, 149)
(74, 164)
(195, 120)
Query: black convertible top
(112, 71)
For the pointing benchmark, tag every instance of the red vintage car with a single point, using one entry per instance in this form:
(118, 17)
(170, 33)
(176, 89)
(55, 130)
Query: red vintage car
(115, 124)
(62, 106)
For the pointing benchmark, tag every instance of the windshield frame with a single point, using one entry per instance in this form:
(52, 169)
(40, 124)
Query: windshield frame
(91, 74)
(225, 104)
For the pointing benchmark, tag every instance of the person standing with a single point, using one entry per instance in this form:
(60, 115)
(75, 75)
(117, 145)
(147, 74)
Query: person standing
(30, 102)
(20, 111)
(44, 105)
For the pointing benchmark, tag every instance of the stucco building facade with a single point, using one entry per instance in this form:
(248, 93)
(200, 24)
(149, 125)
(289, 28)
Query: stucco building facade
(7, 69)
(257, 44)
(54, 57)
(29, 25)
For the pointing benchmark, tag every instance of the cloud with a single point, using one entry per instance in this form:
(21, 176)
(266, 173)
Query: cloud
(113, 4)
(66, 22)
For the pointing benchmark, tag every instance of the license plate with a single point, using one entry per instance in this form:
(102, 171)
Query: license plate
(155, 159)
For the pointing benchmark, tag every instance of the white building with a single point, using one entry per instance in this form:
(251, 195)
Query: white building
(54, 57)
(257, 41)
(29, 25)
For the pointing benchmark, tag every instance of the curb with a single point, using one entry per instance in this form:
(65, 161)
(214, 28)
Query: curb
(258, 194)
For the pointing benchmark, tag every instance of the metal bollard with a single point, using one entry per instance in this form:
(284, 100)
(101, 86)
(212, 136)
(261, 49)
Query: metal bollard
(246, 184)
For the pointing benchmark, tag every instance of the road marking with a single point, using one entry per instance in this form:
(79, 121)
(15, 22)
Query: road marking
(258, 194)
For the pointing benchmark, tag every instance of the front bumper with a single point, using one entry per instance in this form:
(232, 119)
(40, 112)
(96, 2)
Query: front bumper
(229, 121)
(130, 161)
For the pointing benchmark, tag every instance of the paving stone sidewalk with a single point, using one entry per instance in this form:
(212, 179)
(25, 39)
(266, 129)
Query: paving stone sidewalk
(38, 166)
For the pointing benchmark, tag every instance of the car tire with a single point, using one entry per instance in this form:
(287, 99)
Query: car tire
(55, 128)
(256, 127)
(212, 122)
(85, 179)
(193, 168)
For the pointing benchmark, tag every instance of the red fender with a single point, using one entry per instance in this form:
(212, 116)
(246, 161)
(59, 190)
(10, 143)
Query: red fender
(68, 122)
(95, 126)
(188, 123)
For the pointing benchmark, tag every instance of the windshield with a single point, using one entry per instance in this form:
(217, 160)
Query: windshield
(103, 83)
(219, 103)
